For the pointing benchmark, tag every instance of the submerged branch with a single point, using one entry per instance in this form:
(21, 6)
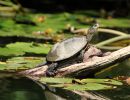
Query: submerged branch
(112, 40)
(96, 64)
(110, 48)
(91, 95)
(112, 31)
(84, 30)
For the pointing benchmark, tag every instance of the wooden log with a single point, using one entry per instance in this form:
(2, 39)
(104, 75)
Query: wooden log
(95, 64)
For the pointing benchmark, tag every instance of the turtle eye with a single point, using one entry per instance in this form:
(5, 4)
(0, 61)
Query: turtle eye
(96, 26)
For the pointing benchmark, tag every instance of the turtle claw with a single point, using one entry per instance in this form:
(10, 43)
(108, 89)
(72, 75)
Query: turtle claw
(51, 71)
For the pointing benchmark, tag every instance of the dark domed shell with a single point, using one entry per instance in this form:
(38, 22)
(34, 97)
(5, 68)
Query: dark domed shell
(66, 48)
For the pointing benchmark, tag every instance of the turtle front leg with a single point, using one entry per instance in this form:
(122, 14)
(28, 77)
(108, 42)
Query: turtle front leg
(51, 69)
(81, 56)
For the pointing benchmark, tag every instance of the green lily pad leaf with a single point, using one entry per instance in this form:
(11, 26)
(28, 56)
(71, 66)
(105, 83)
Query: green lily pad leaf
(20, 48)
(103, 81)
(30, 47)
(89, 86)
(76, 84)
(24, 62)
(55, 80)
(58, 85)
(56, 22)
(21, 63)
(10, 52)
(2, 66)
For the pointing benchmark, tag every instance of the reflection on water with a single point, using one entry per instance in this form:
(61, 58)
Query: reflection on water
(122, 93)
(120, 69)
(25, 89)
(20, 89)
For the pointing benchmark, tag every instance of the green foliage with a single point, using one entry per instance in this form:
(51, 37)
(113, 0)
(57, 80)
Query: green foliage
(89, 86)
(84, 84)
(56, 80)
(56, 22)
(104, 81)
(20, 63)
(21, 48)
(115, 22)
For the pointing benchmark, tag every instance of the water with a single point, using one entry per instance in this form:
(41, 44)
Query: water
(20, 89)
(121, 93)
(25, 89)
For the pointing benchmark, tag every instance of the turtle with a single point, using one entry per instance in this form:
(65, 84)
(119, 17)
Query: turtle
(69, 51)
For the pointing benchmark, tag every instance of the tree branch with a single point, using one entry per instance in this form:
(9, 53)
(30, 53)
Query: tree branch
(96, 63)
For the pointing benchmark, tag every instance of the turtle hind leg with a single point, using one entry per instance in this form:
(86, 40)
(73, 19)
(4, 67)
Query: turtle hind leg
(51, 69)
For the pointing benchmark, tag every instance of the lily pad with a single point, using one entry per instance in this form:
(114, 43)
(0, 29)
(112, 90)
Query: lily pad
(56, 22)
(89, 86)
(21, 48)
(84, 84)
(20, 63)
(102, 81)
(55, 80)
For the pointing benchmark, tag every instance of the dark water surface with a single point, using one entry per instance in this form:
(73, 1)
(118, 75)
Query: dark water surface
(25, 89)
(123, 92)
(20, 89)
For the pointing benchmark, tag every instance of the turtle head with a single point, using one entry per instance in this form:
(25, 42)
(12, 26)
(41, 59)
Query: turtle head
(91, 31)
